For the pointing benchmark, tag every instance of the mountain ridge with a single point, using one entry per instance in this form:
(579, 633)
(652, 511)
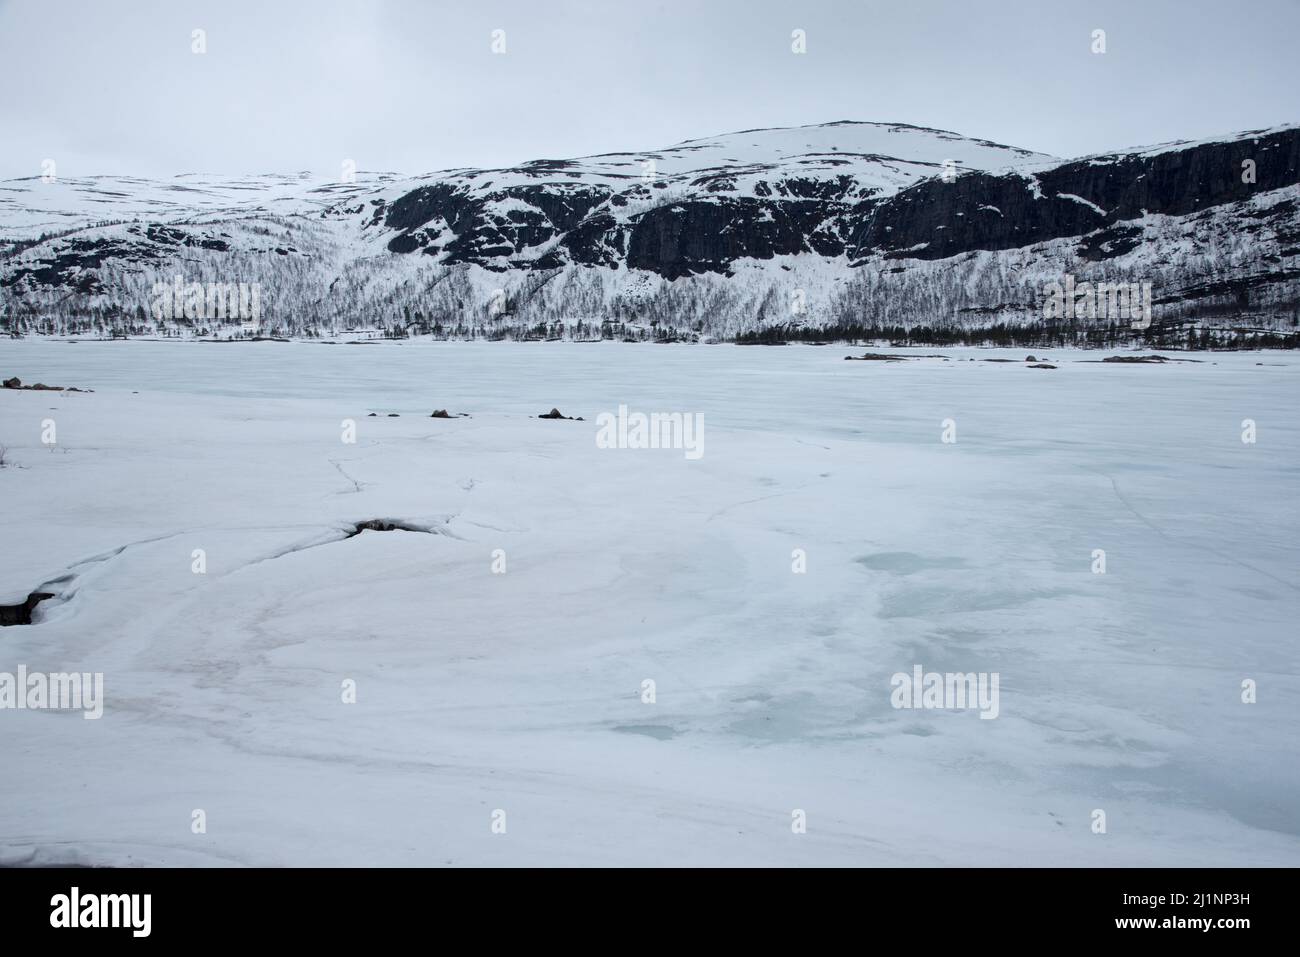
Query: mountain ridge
(818, 226)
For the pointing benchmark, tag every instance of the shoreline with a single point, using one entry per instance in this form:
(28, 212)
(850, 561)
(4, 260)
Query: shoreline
(1135, 346)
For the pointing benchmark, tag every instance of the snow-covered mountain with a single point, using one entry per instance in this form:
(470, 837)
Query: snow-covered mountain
(841, 227)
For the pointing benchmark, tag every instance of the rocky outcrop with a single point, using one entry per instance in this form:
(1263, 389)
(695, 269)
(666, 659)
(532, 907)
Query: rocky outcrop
(1091, 199)
(984, 211)
(21, 613)
(16, 383)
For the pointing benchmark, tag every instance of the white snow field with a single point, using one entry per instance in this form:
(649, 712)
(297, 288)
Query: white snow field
(521, 692)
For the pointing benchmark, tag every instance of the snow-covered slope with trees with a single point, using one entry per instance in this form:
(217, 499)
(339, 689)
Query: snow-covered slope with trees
(839, 229)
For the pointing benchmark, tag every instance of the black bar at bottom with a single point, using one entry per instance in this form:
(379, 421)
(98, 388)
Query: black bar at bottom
(333, 906)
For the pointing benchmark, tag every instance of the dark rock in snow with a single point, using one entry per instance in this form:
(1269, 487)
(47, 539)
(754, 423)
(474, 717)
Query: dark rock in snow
(21, 614)
(386, 525)
(16, 383)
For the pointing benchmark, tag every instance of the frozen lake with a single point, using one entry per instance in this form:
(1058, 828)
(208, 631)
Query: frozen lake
(499, 663)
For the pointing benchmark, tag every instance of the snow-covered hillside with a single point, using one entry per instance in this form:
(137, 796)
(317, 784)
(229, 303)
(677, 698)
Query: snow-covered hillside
(842, 226)
(36, 206)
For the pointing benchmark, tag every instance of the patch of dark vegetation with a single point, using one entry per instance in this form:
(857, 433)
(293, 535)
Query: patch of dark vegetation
(444, 414)
(16, 383)
(890, 356)
(1149, 360)
(1042, 365)
(21, 614)
(1077, 334)
(250, 339)
(556, 414)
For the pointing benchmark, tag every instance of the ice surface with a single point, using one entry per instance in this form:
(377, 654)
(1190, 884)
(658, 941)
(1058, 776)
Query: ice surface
(522, 691)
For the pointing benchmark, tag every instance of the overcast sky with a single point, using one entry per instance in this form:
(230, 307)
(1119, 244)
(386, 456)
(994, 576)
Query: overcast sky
(112, 86)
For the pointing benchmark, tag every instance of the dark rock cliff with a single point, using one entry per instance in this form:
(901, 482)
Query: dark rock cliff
(933, 219)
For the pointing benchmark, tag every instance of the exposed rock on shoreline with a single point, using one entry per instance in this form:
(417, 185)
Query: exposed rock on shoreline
(16, 383)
